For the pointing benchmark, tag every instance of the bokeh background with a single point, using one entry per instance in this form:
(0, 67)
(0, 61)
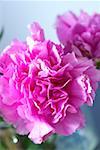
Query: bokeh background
(16, 15)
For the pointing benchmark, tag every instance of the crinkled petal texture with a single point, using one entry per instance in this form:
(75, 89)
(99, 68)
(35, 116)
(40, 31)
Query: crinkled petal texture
(42, 89)
(80, 34)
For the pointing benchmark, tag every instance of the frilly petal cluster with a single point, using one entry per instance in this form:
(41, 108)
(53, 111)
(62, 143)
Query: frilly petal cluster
(42, 88)
(80, 34)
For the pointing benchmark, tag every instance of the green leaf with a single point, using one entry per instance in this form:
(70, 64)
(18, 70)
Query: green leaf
(98, 64)
(2, 145)
(1, 33)
(1, 119)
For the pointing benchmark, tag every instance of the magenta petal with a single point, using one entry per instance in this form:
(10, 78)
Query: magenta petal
(37, 32)
(40, 130)
(70, 124)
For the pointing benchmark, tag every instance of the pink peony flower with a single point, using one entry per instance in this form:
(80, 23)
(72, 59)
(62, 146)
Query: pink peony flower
(80, 34)
(42, 89)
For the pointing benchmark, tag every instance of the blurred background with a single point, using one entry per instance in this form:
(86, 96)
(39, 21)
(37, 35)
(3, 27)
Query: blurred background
(14, 18)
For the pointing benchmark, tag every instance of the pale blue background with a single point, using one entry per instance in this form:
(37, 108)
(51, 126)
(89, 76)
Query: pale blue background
(16, 15)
